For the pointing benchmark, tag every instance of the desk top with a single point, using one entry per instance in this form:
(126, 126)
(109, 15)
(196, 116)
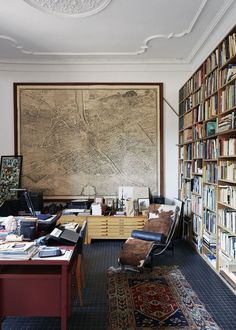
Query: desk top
(70, 252)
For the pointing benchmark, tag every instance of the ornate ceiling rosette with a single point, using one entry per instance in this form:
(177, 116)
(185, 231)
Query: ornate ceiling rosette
(74, 8)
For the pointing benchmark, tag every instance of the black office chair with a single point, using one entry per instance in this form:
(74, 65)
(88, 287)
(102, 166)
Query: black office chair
(79, 266)
(157, 236)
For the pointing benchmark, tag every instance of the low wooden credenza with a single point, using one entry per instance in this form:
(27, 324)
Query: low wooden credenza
(106, 227)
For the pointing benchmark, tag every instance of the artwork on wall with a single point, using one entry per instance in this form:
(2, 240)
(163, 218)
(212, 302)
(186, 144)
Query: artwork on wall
(89, 139)
(10, 174)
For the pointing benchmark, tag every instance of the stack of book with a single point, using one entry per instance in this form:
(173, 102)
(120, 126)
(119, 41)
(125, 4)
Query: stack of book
(210, 241)
(18, 250)
(227, 122)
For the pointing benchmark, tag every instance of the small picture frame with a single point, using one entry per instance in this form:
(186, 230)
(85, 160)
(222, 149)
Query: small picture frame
(143, 204)
(10, 174)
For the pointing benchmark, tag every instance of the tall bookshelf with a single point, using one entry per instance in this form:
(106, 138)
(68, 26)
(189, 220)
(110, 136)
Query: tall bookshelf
(207, 157)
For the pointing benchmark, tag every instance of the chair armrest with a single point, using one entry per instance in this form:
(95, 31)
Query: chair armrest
(148, 236)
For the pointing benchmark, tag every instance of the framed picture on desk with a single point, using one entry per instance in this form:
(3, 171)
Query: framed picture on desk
(10, 174)
(143, 204)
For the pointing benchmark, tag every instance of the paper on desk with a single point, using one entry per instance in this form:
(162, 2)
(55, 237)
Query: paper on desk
(66, 255)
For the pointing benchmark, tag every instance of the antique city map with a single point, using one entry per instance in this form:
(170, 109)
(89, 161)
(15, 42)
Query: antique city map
(88, 141)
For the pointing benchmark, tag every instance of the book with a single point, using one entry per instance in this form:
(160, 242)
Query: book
(231, 73)
(18, 251)
(210, 128)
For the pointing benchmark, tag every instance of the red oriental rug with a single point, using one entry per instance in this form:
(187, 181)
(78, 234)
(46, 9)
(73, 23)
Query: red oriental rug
(161, 299)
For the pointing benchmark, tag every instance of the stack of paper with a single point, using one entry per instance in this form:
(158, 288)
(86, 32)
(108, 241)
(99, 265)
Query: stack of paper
(18, 251)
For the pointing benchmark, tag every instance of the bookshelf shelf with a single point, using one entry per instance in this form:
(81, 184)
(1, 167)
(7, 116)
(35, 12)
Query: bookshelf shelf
(207, 169)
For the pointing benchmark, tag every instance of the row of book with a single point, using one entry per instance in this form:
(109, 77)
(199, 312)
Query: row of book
(227, 170)
(209, 220)
(228, 244)
(188, 119)
(211, 107)
(227, 146)
(227, 74)
(212, 61)
(198, 96)
(181, 123)
(197, 184)
(209, 149)
(187, 169)
(228, 97)
(228, 265)
(189, 151)
(228, 48)
(198, 149)
(227, 51)
(211, 127)
(209, 238)
(198, 113)
(186, 90)
(197, 79)
(185, 189)
(210, 172)
(197, 166)
(209, 197)
(197, 224)
(227, 195)
(211, 84)
(198, 131)
(186, 105)
(227, 219)
(188, 135)
(196, 204)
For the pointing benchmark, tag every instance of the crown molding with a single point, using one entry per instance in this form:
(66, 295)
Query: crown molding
(206, 35)
(171, 35)
(142, 49)
(88, 66)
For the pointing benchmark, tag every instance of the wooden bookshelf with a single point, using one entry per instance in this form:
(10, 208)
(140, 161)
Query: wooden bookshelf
(207, 157)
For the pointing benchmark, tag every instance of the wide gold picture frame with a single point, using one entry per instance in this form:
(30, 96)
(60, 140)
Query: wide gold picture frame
(89, 139)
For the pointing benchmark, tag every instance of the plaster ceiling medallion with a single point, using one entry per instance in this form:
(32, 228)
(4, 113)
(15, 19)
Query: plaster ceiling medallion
(74, 8)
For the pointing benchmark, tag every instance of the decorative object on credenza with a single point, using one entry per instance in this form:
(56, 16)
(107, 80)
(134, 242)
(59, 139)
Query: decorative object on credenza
(10, 175)
(161, 299)
(129, 207)
(143, 204)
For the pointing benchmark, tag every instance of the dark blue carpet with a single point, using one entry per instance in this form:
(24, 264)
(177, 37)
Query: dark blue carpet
(218, 299)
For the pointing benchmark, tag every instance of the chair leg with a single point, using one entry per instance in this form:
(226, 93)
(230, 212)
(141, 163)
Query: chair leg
(80, 280)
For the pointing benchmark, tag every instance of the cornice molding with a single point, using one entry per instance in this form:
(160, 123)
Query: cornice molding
(88, 66)
(171, 35)
(204, 37)
(143, 48)
(76, 58)
(71, 8)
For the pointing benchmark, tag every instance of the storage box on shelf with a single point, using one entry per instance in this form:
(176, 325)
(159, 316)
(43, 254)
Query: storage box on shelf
(209, 98)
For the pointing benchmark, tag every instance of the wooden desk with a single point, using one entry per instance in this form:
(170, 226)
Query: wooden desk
(38, 287)
(106, 227)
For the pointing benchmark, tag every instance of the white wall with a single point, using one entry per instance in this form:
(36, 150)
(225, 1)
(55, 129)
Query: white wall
(172, 77)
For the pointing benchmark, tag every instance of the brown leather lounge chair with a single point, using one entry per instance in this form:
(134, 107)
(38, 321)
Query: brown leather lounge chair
(156, 236)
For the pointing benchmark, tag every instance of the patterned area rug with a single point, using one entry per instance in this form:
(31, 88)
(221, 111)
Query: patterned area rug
(161, 299)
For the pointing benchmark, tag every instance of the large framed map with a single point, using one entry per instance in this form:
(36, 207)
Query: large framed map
(89, 139)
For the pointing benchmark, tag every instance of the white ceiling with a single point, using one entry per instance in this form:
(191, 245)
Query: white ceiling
(157, 31)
